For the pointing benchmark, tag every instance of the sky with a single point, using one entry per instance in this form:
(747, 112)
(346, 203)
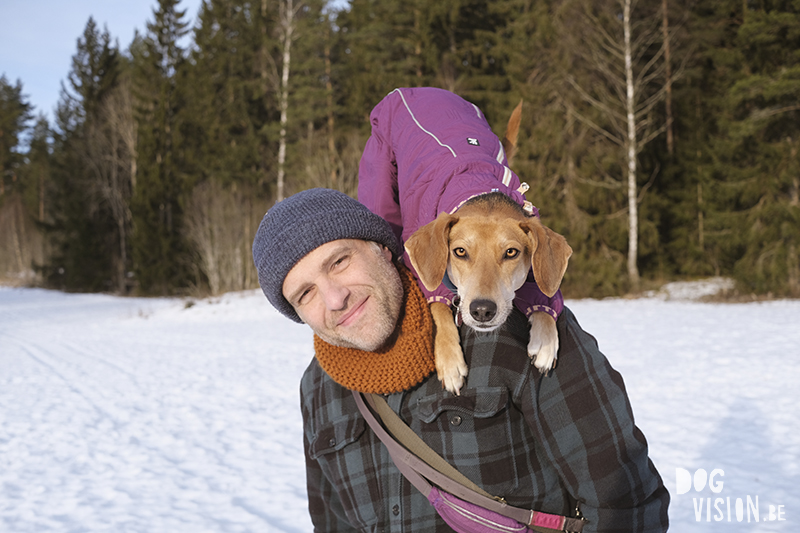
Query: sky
(157, 415)
(39, 37)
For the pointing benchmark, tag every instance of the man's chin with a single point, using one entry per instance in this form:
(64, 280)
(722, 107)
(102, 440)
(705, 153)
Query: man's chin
(366, 344)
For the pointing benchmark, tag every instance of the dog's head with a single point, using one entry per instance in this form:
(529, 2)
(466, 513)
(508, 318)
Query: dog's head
(487, 248)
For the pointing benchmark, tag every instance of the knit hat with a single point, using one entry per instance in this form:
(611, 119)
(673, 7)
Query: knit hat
(303, 222)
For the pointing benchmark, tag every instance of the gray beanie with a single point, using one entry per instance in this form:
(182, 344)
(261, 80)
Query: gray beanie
(303, 222)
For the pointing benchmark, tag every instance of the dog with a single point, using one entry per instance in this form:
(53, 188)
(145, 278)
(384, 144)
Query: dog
(436, 172)
(487, 248)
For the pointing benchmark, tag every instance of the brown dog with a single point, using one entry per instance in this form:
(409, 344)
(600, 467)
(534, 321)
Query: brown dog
(486, 248)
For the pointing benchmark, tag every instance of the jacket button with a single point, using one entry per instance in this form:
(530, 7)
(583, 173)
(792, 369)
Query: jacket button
(332, 442)
(456, 420)
(396, 510)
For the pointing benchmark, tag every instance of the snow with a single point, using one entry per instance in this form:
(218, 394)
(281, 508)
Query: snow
(175, 415)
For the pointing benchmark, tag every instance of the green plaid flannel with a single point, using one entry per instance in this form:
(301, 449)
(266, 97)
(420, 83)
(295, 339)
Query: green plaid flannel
(541, 442)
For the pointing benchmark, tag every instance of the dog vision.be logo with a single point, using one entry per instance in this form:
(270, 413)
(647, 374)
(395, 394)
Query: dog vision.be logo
(720, 507)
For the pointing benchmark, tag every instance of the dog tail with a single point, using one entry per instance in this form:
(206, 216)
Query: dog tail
(512, 130)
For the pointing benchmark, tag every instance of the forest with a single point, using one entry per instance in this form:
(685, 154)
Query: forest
(660, 137)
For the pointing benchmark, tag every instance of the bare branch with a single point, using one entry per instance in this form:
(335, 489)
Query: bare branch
(591, 124)
(761, 114)
(593, 101)
(648, 184)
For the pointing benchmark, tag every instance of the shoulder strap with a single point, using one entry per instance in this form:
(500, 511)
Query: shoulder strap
(419, 463)
(406, 436)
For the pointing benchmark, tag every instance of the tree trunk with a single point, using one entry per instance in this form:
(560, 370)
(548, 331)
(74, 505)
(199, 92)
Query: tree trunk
(700, 230)
(287, 21)
(668, 78)
(418, 43)
(329, 104)
(41, 196)
(633, 221)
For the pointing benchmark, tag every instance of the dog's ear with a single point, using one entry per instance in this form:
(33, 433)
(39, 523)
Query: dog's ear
(512, 130)
(429, 248)
(549, 255)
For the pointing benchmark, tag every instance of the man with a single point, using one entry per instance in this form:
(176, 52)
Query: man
(548, 443)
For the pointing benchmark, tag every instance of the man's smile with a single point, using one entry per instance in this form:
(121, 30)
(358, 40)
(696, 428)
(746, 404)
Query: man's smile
(354, 314)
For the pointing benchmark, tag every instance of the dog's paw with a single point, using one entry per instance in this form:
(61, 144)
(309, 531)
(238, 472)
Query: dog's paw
(450, 365)
(543, 342)
(545, 356)
(452, 374)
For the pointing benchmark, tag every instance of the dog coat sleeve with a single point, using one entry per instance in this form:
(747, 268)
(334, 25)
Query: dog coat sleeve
(530, 299)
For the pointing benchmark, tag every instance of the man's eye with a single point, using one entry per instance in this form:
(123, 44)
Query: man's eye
(341, 261)
(304, 297)
(459, 252)
(511, 253)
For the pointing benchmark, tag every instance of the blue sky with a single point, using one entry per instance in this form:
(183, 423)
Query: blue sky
(39, 37)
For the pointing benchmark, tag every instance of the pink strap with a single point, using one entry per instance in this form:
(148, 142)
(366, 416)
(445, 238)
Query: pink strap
(413, 468)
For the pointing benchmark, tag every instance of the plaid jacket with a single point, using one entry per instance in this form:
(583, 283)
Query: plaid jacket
(542, 442)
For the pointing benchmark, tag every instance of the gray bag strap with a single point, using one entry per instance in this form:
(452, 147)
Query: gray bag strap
(420, 464)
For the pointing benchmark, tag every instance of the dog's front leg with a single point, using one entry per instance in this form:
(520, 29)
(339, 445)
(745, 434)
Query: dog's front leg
(450, 365)
(543, 343)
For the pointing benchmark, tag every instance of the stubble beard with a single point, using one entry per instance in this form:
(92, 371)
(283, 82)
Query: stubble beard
(388, 294)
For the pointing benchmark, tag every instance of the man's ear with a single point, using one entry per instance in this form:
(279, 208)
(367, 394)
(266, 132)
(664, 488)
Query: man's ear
(429, 248)
(385, 251)
(549, 255)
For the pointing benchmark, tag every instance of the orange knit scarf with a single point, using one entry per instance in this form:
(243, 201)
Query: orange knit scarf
(395, 368)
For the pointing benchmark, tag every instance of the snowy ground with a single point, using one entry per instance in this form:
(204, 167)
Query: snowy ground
(148, 415)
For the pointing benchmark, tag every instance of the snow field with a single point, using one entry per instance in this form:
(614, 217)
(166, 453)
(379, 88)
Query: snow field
(152, 415)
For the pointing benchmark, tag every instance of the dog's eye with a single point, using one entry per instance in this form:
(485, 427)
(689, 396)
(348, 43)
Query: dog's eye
(511, 253)
(459, 252)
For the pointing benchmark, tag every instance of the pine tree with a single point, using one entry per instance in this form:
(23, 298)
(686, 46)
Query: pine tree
(82, 229)
(621, 51)
(162, 259)
(225, 96)
(308, 156)
(375, 52)
(15, 113)
(36, 178)
(231, 102)
(759, 159)
(695, 236)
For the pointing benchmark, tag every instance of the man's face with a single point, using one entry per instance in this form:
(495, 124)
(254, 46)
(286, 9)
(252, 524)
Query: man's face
(348, 291)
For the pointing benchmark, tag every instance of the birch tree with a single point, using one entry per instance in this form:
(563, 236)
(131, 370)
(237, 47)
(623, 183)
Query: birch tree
(288, 13)
(622, 56)
(112, 162)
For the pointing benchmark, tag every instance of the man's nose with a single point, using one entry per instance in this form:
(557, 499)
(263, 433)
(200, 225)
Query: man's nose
(335, 296)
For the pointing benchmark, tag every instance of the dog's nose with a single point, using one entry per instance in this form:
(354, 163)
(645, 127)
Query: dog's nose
(483, 310)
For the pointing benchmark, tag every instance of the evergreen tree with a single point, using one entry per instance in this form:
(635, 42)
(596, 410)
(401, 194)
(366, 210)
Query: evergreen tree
(82, 230)
(15, 113)
(758, 160)
(695, 237)
(307, 156)
(162, 259)
(377, 55)
(231, 102)
(36, 178)
(225, 96)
